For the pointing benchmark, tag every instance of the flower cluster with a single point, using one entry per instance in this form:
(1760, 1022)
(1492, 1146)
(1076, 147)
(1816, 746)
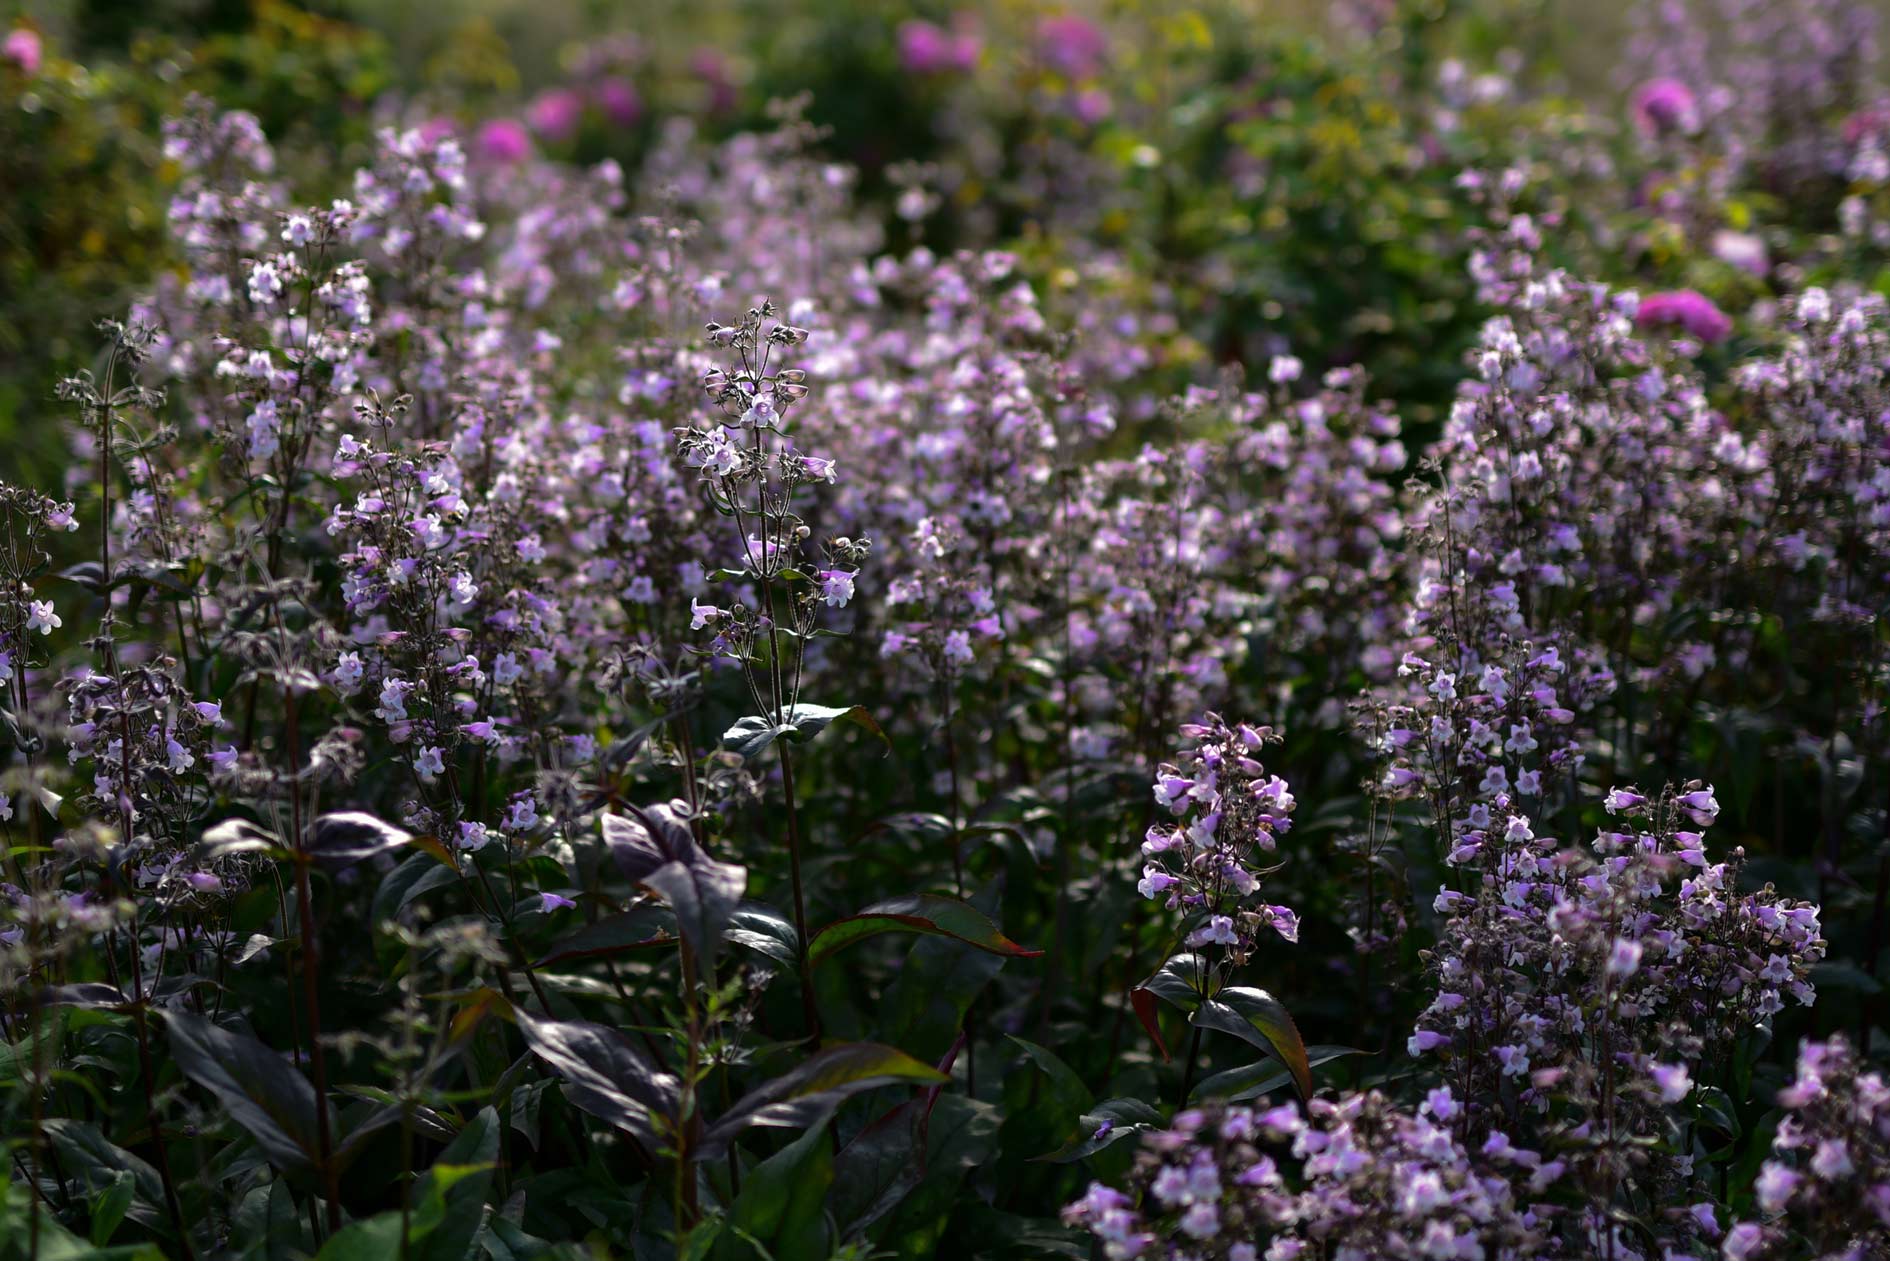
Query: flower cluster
(1826, 1190)
(1227, 813)
(1355, 1178)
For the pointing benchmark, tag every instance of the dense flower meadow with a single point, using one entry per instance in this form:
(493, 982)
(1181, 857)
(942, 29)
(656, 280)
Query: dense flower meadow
(1126, 687)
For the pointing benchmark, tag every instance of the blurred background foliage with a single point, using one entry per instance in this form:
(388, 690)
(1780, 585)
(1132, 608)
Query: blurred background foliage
(1274, 162)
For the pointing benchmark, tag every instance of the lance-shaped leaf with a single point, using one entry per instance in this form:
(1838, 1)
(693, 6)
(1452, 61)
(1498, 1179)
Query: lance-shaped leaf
(765, 931)
(751, 736)
(805, 1096)
(925, 913)
(350, 836)
(1108, 1123)
(703, 894)
(91, 994)
(239, 836)
(1181, 981)
(642, 926)
(1262, 1077)
(885, 1161)
(1258, 1017)
(260, 1089)
(97, 1164)
(649, 837)
(605, 1074)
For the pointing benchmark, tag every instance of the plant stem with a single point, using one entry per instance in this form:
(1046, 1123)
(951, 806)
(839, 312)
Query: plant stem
(809, 1011)
(1187, 1074)
(311, 966)
(149, 1078)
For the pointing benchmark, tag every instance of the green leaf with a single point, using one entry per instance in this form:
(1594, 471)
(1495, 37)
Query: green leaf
(638, 928)
(1181, 981)
(376, 1238)
(1109, 1123)
(779, 1204)
(1261, 1020)
(1039, 1116)
(805, 1095)
(1065, 1085)
(450, 1199)
(752, 735)
(605, 1074)
(881, 1164)
(260, 1089)
(924, 913)
(108, 1211)
(765, 931)
(963, 1137)
(416, 875)
(1262, 1077)
(924, 1007)
(885, 1162)
(96, 1164)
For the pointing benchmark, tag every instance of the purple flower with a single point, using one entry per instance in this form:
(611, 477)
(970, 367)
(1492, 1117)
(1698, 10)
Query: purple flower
(1072, 45)
(555, 114)
(619, 101)
(549, 902)
(1671, 1080)
(1664, 106)
(503, 140)
(926, 48)
(24, 50)
(836, 587)
(1688, 309)
(1743, 1241)
(1742, 250)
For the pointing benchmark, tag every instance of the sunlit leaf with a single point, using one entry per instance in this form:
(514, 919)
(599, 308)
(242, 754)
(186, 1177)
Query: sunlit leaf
(917, 913)
(239, 836)
(1108, 1123)
(1260, 1019)
(805, 1095)
(1262, 1077)
(765, 931)
(351, 836)
(649, 837)
(604, 1073)
(703, 895)
(1181, 981)
(751, 736)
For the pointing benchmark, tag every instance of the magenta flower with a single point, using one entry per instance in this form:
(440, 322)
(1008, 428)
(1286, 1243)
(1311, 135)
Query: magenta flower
(619, 101)
(927, 48)
(503, 140)
(708, 65)
(555, 115)
(1687, 309)
(1072, 45)
(1665, 106)
(24, 50)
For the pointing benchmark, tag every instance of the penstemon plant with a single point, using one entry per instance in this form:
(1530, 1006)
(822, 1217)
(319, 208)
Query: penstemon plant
(496, 761)
(751, 473)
